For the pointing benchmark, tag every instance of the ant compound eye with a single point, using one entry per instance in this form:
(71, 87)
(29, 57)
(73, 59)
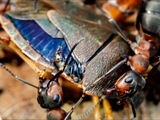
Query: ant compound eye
(56, 98)
(128, 79)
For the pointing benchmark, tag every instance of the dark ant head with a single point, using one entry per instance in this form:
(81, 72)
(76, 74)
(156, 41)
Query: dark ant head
(50, 95)
(129, 84)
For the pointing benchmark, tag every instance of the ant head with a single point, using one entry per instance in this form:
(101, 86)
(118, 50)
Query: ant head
(50, 94)
(130, 83)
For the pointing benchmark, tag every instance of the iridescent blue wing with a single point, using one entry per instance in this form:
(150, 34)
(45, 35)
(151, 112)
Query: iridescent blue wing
(38, 38)
(101, 49)
(74, 29)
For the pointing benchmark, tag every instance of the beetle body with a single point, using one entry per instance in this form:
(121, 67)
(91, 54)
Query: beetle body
(36, 52)
(100, 77)
(103, 61)
(77, 10)
(48, 41)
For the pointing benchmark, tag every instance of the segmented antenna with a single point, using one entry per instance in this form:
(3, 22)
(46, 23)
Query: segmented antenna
(8, 1)
(104, 96)
(141, 31)
(133, 109)
(89, 110)
(65, 64)
(18, 78)
(93, 107)
(74, 106)
(111, 20)
(35, 5)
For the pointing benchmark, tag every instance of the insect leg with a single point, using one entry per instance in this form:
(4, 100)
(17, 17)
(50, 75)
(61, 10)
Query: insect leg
(127, 109)
(107, 109)
(97, 114)
(97, 109)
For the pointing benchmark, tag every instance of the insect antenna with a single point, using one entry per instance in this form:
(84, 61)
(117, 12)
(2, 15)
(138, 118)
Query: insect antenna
(132, 106)
(17, 78)
(141, 31)
(74, 106)
(35, 5)
(89, 110)
(111, 20)
(93, 107)
(65, 64)
(8, 1)
(104, 96)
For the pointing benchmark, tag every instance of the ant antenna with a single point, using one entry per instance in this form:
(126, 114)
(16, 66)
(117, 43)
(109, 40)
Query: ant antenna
(65, 64)
(8, 1)
(18, 78)
(141, 31)
(74, 106)
(92, 108)
(132, 106)
(110, 19)
(35, 5)
(89, 110)
(104, 96)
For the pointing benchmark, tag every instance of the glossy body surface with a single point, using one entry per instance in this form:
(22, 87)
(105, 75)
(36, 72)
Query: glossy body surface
(47, 38)
(102, 62)
(36, 47)
(36, 39)
(149, 18)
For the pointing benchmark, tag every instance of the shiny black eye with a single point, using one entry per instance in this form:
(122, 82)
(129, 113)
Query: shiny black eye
(128, 79)
(56, 98)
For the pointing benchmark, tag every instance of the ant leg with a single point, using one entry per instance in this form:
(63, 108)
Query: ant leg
(126, 103)
(97, 114)
(107, 109)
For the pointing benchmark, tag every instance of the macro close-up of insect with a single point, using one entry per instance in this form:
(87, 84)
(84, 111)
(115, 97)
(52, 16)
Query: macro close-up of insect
(87, 59)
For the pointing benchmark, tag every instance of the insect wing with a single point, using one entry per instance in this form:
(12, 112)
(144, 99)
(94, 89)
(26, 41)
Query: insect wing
(95, 36)
(75, 29)
(38, 39)
(80, 11)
